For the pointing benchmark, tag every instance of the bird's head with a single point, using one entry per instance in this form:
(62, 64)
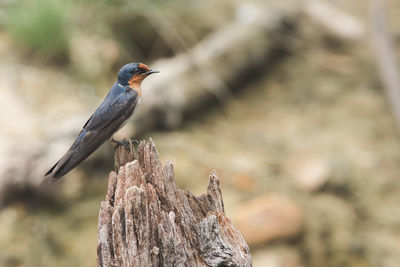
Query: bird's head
(133, 74)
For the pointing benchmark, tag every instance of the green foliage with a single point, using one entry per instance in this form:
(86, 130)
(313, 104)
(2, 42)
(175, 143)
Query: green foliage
(40, 26)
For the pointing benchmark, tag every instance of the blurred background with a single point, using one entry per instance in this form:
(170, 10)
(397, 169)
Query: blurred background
(292, 102)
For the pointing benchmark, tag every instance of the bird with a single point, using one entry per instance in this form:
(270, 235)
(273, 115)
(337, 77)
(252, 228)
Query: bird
(111, 115)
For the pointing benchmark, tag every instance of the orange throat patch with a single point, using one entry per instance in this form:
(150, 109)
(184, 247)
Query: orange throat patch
(135, 83)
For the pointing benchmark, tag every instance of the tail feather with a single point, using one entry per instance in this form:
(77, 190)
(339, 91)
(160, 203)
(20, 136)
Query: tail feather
(83, 146)
(52, 168)
(62, 167)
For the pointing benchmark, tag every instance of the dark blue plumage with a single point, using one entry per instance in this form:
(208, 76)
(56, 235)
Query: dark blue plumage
(125, 73)
(108, 118)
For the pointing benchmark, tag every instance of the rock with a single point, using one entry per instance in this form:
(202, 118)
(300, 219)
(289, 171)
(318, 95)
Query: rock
(268, 217)
(308, 172)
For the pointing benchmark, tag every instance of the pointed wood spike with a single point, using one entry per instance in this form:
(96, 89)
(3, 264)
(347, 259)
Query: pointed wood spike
(147, 220)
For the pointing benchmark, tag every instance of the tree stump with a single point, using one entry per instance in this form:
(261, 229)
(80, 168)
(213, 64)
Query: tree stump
(146, 220)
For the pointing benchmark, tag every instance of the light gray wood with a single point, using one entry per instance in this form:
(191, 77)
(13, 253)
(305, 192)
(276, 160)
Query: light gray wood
(385, 52)
(146, 220)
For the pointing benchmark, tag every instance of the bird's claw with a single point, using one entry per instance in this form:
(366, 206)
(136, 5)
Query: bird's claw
(135, 141)
(124, 143)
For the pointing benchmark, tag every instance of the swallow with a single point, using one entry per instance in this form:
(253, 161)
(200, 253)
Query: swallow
(108, 118)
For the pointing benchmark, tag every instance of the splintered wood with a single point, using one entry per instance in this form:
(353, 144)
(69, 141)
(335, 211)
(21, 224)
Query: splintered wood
(146, 220)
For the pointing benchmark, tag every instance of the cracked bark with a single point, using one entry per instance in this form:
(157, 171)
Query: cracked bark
(146, 220)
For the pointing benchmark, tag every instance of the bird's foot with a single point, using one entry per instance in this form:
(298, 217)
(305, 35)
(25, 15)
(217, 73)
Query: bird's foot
(135, 141)
(124, 143)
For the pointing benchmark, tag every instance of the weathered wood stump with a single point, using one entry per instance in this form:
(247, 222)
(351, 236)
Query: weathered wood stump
(146, 220)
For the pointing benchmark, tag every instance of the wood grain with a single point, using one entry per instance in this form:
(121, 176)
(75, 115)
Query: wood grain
(146, 220)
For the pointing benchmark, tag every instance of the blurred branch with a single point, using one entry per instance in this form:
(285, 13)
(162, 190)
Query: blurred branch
(385, 55)
(219, 64)
(208, 79)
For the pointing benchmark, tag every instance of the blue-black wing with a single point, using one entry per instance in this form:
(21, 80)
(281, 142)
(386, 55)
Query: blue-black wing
(104, 122)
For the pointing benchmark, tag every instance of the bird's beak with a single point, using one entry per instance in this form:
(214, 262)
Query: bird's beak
(151, 72)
